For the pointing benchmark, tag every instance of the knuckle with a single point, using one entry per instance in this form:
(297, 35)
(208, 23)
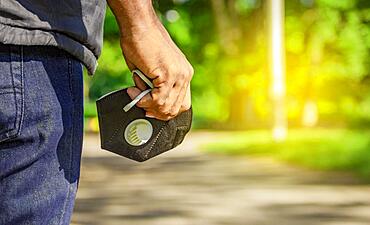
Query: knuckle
(173, 113)
(181, 78)
(161, 77)
(165, 110)
(172, 68)
(159, 102)
(184, 76)
(158, 72)
(164, 77)
(160, 109)
(187, 76)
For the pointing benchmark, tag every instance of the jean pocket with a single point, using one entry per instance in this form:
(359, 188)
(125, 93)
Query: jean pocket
(11, 95)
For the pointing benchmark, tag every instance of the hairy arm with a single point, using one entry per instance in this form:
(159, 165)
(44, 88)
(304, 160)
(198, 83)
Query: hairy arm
(146, 45)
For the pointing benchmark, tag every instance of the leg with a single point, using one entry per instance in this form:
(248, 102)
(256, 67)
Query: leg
(41, 129)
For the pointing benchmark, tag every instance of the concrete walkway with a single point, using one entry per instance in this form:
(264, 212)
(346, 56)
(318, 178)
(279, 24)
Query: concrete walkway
(187, 187)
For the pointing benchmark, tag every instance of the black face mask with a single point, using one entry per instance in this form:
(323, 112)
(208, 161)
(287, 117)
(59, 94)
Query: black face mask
(126, 131)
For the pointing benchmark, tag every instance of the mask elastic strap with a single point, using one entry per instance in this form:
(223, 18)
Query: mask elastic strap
(142, 94)
(143, 77)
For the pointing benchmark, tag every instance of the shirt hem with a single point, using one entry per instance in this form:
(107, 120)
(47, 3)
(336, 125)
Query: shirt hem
(24, 36)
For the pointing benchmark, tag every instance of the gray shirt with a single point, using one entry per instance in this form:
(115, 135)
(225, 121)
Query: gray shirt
(75, 26)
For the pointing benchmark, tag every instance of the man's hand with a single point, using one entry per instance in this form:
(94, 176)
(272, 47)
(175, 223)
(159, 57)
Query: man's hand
(147, 46)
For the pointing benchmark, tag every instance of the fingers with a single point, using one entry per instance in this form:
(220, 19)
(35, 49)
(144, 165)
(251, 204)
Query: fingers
(171, 87)
(186, 104)
(168, 101)
(180, 106)
(156, 115)
(171, 101)
(156, 55)
(179, 101)
(163, 85)
(133, 92)
(145, 103)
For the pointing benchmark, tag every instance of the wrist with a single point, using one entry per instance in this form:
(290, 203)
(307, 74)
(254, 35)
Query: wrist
(134, 15)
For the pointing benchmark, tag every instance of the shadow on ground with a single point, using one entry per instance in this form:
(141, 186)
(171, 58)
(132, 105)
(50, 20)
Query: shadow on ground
(189, 187)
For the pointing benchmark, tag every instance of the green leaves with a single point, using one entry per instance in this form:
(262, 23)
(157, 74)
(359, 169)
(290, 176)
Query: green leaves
(327, 48)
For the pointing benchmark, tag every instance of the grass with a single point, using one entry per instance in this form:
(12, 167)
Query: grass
(324, 149)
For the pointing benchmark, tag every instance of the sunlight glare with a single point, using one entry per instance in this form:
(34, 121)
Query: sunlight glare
(278, 68)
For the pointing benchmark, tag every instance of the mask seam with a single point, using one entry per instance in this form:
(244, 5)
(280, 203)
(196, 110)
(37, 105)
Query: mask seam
(113, 135)
(155, 140)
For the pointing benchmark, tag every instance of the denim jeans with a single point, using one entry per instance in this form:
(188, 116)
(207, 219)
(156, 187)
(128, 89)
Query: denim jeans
(41, 130)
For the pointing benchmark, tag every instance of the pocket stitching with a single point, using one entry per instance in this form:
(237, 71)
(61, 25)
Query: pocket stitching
(22, 93)
(19, 103)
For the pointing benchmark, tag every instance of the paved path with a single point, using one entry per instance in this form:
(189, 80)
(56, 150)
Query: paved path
(187, 187)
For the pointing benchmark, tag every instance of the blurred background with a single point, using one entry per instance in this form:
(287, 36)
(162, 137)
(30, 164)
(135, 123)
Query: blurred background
(281, 130)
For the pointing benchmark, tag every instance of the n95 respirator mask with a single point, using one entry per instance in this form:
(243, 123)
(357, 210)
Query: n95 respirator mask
(125, 130)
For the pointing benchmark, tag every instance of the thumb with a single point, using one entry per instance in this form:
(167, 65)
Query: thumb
(133, 92)
(145, 102)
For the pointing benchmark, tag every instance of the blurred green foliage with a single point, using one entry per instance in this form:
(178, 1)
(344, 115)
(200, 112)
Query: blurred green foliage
(327, 49)
(325, 149)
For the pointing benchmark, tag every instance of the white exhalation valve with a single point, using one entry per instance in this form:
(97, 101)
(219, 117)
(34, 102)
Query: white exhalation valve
(138, 132)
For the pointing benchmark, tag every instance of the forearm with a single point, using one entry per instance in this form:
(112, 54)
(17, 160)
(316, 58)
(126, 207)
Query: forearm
(133, 14)
(147, 46)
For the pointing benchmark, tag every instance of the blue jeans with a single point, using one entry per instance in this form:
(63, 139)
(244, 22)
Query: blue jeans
(41, 130)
